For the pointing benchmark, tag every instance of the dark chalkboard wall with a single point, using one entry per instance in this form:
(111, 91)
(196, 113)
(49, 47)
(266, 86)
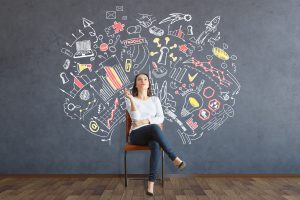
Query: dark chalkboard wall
(36, 136)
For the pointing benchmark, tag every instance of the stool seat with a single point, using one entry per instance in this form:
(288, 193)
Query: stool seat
(132, 147)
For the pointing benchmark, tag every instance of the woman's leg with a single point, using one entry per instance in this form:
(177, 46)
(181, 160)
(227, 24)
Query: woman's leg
(143, 135)
(153, 136)
(160, 137)
(154, 159)
(139, 136)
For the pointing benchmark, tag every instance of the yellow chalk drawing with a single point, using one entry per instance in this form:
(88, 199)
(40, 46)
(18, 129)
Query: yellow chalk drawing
(94, 126)
(220, 53)
(156, 41)
(81, 67)
(174, 46)
(118, 83)
(167, 39)
(152, 53)
(174, 58)
(128, 65)
(191, 78)
(194, 102)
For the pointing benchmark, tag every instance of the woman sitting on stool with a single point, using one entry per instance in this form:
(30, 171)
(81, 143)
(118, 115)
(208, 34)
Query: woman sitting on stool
(146, 113)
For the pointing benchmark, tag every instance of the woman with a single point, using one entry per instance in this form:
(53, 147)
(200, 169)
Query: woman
(146, 113)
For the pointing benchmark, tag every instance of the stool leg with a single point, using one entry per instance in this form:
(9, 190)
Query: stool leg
(125, 167)
(162, 168)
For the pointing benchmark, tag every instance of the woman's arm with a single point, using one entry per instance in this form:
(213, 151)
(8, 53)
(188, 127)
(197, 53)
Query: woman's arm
(132, 109)
(133, 106)
(130, 105)
(159, 117)
(135, 114)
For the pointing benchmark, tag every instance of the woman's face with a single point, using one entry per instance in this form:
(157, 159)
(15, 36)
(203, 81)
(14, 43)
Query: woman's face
(142, 82)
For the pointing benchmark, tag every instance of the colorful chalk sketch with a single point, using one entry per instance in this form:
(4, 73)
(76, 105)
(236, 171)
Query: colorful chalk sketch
(192, 72)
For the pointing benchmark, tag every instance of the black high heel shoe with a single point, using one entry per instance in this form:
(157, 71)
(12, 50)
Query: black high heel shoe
(149, 193)
(182, 165)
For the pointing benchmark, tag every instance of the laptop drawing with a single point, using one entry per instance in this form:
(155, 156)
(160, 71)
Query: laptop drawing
(83, 49)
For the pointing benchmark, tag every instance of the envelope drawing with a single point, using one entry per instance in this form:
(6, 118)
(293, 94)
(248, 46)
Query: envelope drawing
(110, 14)
(119, 8)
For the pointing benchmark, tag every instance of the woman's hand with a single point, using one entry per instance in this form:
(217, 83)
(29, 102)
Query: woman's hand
(127, 93)
(136, 123)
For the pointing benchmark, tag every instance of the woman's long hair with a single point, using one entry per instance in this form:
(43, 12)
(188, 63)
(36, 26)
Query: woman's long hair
(135, 90)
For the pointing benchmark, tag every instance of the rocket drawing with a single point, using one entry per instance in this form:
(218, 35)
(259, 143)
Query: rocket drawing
(176, 17)
(211, 27)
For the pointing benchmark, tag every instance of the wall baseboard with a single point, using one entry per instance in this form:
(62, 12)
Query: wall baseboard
(142, 175)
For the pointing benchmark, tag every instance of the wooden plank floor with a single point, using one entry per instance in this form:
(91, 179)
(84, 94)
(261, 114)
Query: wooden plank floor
(180, 188)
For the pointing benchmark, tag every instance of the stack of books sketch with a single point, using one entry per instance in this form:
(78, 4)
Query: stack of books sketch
(83, 49)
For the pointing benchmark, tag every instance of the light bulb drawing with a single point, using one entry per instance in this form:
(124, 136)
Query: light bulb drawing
(192, 102)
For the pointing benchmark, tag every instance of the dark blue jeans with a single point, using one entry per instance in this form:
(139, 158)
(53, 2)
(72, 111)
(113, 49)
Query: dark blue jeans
(152, 136)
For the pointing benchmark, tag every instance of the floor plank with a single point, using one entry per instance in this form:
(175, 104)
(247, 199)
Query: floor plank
(178, 188)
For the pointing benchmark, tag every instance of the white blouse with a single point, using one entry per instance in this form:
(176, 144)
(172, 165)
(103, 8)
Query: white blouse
(146, 109)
